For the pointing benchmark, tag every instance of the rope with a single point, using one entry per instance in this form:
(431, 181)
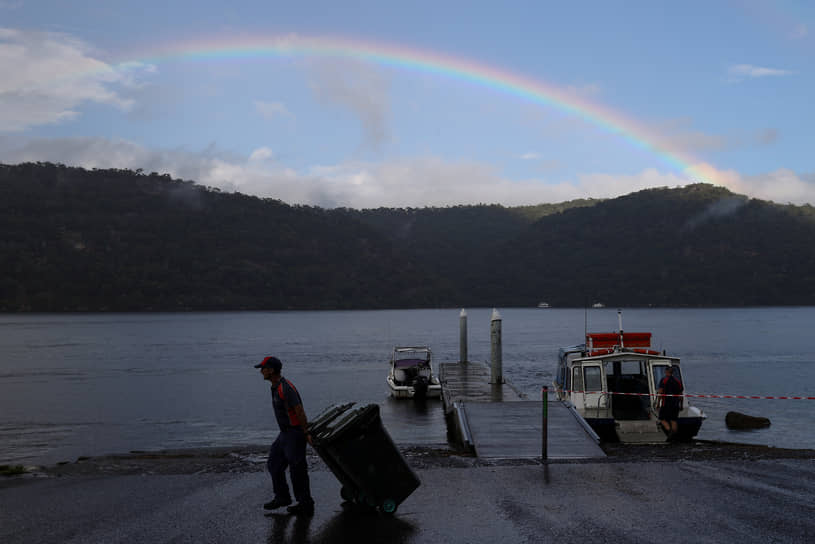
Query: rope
(700, 396)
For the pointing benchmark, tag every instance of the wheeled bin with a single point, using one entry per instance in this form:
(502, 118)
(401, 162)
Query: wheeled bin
(359, 451)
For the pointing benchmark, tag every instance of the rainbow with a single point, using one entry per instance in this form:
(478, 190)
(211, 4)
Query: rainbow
(492, 77)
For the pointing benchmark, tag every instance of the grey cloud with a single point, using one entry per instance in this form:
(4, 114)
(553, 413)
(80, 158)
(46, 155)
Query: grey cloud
(358, 87)
(415, 182)
(679, 135)
(695, 141)
(102, 153)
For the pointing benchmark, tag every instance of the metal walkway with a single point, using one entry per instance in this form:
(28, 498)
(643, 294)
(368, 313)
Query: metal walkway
(501, 423)
(512, 430)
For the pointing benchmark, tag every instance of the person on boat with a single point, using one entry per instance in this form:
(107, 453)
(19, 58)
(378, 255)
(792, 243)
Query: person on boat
(670, 406)
(289, 449)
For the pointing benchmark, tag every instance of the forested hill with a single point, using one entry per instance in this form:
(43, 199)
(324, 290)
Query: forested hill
(696, 246)
(118, 240)
(104, 240)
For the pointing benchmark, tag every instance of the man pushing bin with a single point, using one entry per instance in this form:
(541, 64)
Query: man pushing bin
(289, 449)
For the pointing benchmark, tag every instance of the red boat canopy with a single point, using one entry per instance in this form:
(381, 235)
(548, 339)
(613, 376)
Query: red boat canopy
(597, 340)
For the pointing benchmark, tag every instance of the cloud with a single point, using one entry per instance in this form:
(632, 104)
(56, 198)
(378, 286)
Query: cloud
(692, 141)
(408, 182)
(48, 76)
(539, 164)
(782, 186)
(271, 110)
(359, 88)
(261, 154)
(678, 135)
(740, 71)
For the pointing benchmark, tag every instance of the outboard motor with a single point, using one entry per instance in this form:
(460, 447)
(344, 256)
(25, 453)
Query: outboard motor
(420, 387)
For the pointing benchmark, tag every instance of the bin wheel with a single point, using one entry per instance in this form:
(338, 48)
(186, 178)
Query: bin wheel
(347, 494)
(388, 507)
(366, 500)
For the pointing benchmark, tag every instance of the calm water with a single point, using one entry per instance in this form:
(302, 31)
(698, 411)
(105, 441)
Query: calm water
(73, 385)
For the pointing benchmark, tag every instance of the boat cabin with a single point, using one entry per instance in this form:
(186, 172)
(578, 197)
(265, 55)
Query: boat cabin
(411, 373)
(410, 363)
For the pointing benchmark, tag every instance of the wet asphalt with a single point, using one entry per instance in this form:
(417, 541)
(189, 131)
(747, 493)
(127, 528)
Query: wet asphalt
(644, 501)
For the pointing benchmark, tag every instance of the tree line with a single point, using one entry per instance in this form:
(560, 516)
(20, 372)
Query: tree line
(121, 240)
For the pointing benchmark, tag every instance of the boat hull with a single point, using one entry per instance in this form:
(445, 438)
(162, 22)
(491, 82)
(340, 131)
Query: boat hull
(408, 392)
(647, 431)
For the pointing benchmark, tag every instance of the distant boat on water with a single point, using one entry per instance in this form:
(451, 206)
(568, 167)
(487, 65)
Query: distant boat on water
(543, 305)
(598, 305)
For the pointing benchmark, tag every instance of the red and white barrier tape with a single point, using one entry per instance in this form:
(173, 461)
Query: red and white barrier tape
(778, 397)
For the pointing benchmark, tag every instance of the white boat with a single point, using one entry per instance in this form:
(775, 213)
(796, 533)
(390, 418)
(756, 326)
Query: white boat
(543, 305)
(411, 374)
(612, 381)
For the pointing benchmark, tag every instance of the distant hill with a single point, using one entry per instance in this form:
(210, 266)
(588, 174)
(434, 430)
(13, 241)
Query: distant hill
(695, 246)
(118, 240)
(105, 240)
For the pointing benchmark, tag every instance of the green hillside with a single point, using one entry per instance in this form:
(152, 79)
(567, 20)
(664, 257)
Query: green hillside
(104, 240)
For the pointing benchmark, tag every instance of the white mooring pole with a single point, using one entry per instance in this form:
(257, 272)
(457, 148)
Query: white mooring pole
(462, 336)
(496, 370)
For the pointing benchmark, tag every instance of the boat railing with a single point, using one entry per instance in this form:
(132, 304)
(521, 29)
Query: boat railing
(586, 407)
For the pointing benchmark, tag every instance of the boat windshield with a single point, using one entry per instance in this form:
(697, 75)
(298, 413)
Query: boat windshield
(407, 363)
(627, 376)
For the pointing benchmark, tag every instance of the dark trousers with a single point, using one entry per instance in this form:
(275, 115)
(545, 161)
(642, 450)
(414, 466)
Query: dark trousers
(289, 450)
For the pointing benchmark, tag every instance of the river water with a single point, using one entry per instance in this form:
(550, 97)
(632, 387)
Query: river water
(89, 384)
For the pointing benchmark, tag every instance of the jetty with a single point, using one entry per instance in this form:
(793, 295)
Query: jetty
(488, 416)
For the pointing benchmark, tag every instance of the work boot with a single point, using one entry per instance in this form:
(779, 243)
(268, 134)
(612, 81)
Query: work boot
(302, 509)
(276, 503)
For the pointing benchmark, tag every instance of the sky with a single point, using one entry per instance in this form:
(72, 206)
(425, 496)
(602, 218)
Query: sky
(363, 104)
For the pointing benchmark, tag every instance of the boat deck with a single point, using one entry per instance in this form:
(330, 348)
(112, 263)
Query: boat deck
(503, 424)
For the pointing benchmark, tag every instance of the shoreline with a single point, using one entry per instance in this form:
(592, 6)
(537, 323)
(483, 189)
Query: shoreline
(722, 492)
(242, 459)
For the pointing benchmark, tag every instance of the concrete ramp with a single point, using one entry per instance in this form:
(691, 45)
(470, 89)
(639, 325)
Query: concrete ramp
(512, 430)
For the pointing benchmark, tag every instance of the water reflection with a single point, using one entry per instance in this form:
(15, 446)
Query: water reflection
(281, 533)
(410, 421)
(361, 525)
